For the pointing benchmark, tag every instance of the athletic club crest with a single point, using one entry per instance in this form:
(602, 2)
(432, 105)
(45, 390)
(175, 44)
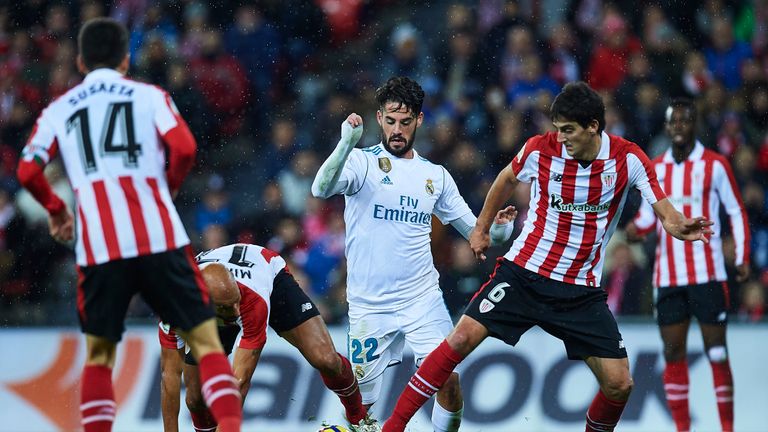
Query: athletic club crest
(430, 187)
(486, 306)
(609, 179)
(385, 165)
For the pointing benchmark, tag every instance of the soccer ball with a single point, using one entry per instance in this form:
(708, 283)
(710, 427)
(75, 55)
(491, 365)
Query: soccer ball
(333, 428)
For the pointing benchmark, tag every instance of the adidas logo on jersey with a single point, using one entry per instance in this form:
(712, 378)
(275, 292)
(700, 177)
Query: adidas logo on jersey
(386, 181)
(305, 307)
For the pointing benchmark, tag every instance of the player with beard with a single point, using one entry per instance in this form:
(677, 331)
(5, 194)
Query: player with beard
(391, 193)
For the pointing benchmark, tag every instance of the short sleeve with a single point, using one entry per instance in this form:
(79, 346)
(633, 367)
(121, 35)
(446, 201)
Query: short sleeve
(642, 176)
(450, 204)
(253, 315)
(354, 172)
(166, 115)
(525, 164)
(41, 146)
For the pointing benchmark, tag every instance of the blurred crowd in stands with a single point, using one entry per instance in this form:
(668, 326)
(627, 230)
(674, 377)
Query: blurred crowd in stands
(265, 85)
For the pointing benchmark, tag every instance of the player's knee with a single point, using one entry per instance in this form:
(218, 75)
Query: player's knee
(674, 353)
(619, 389)
(195, 402)
(717, 354)
(326, 361)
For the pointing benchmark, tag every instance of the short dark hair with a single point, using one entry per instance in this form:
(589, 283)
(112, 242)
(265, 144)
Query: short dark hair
(684, 103)
(102, 42)
(402, 90)
(578, 102)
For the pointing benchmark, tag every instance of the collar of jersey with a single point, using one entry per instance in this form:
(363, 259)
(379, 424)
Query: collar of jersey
(384, 149)
(605, 148)
(101, 73)
(696, 153)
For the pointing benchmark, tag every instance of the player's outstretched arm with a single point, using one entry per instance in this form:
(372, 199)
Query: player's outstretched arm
(679, 226)
(326, 183)
(243, 366)
(171, 364)
(501, 190)
(500, 231)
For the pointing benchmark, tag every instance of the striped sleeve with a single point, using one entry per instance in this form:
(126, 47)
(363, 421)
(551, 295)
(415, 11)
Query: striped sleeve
(642, 175)
(730, 197)
(526, 164)
(645, 219)
(41, 146)
(254, 314)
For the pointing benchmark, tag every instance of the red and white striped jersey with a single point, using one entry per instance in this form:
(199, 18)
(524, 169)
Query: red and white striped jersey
(696, 187)
(574, 209)
(254, 269)
(111, 133)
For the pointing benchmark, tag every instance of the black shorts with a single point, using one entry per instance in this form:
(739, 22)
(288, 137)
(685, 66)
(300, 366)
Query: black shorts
(169, 282)
(516, 299)
(708, 302)
(227, 334)
(289, 304)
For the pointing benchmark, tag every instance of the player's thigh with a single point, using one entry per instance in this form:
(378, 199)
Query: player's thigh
(174, 288)
(585, 325)
(672, 305)
(104, 292)
(710, 302)
(503, 304)
(612, 374)
(289, 304)
(374, 342)
(425, 323)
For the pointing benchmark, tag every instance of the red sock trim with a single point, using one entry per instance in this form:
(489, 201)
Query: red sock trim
(603, 413)
(97, 399)
(220, 391)
(346, 388)
(723, 381)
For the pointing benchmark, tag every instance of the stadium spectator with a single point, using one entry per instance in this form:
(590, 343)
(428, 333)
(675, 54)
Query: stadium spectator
(725, 55)
(609, 59)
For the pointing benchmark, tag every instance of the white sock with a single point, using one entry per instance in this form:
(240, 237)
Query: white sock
(444, 420)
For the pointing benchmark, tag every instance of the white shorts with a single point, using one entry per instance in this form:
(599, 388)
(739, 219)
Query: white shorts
(376, 339)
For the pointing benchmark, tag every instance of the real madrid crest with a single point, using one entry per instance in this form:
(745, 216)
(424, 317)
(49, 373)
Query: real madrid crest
(430, 187)
(385, 164)
(359, 372)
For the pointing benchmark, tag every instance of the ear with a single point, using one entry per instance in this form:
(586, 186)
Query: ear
(420, 119)
(81, 65)
(379, 116)
(125, 64)
(593, 126)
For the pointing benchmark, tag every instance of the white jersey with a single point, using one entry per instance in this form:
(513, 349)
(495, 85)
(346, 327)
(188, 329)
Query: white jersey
(389, 206)
(108, 131)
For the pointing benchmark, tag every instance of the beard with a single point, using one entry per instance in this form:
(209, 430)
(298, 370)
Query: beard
(406, 148)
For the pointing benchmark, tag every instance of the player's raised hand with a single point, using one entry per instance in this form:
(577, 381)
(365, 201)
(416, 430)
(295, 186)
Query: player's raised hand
(505, 215)
(62, 225)
(479, 240)
(352, 129)
(693, 229)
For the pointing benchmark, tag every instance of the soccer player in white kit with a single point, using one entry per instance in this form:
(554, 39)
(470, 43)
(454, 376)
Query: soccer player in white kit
(391, 194)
